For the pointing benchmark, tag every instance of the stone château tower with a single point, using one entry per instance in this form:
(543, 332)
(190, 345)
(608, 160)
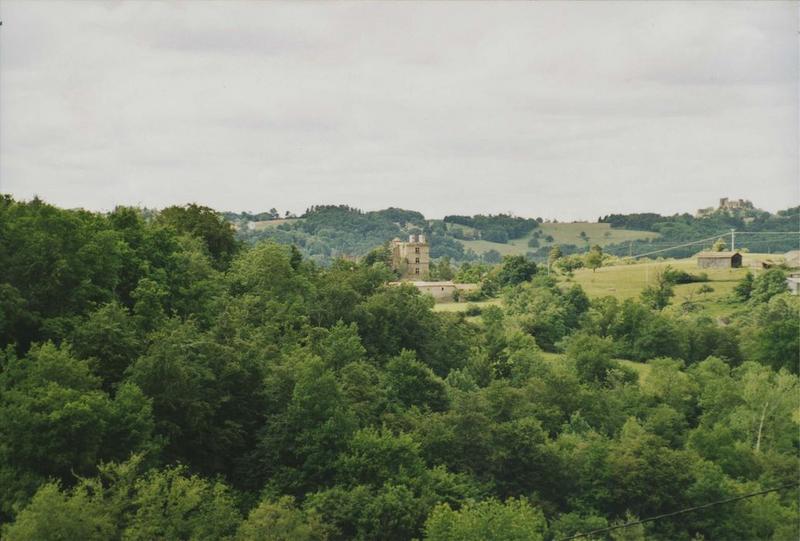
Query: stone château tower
(411, 259)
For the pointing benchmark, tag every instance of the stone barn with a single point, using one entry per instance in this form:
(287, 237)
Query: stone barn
(719, 260)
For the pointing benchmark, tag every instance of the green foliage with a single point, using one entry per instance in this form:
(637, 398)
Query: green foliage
(498, 228)
(705, 288)
(594, 259)
(389, 512)
(515, 270)
(657, 296)
(411, 383)
(45, 261)
(340, 345)
(570, 263)
(55, 422)
(555, 253)
(768, 284)
(377, 456)
(771, 334)
(108, 339)
(678, 276)
(492, 256)
(124, 503)
(471, 273)
(487, 521)
(173, 505)
(442, 270)
(364, 391)
(205, 224)
(298, 446)
(381, 254)
(281, 520)
(744, 289)
(53, 515)
(398, 318)
(345, 284)
(592, 355)
(153, 388)
(545, 311)
(719, 245)
(205, 396)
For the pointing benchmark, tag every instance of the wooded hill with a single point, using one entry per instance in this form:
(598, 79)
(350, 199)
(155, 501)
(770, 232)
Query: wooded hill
(323, 233)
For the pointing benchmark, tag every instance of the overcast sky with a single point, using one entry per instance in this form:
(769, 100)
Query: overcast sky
(566, 110)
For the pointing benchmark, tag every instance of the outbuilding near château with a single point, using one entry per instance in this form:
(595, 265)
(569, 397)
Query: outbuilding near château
(719, 260)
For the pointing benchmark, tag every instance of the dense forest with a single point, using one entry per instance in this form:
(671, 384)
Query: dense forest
(160, 379)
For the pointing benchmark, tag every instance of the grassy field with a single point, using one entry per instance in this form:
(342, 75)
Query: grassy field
(565, 233)
(627, 281)
(267, 224)
(601, 234)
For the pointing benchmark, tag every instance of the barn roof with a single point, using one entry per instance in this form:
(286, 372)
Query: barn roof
(717, 255)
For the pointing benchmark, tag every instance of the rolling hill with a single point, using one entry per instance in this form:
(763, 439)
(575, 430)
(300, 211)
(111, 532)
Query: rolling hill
(562, 234)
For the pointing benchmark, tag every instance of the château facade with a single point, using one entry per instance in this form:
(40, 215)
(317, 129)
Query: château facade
(411, 259)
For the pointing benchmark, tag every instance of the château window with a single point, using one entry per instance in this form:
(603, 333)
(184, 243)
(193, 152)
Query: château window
(417, 260)
(416, 250)
(416, 271)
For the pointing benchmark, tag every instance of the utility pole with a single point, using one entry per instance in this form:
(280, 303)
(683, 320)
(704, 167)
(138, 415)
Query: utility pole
(733, 240)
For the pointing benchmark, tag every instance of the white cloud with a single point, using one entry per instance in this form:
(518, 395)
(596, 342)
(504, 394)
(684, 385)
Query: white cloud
(557, 109)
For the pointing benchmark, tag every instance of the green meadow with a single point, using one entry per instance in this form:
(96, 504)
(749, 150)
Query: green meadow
(562, 233)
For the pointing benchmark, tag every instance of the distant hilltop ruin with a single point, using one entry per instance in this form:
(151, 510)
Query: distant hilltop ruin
(730, 206)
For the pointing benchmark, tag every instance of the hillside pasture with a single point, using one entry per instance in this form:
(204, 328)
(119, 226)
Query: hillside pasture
(602, 234)
(627, 281)
(268, 224)
(562, 233)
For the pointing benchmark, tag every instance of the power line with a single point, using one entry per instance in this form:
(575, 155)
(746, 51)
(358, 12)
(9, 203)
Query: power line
(682, 511)
(768, 232)
(680, 245)
(720, 235)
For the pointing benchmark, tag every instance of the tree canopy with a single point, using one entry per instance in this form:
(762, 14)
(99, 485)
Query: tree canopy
(158, 381)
